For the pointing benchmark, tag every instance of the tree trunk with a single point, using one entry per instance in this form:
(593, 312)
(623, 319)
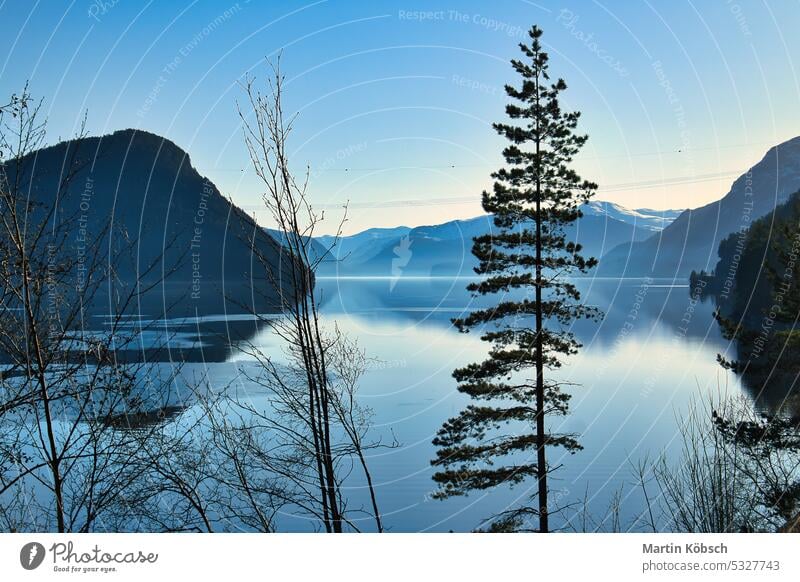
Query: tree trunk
(52, 449)
(541, 461)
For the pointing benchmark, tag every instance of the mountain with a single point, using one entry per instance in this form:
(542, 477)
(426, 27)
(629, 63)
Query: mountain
(446, 249)
(756, 289)
(178, 233)
(360, 247)
(646, 218)
(691, 241)
(317, 251)
(757, 272)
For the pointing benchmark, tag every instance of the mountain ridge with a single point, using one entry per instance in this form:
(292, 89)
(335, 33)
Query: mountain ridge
(691, 241)
(179, 225)
(445, 248)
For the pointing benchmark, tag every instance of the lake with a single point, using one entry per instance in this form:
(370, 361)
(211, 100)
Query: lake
(642, 364)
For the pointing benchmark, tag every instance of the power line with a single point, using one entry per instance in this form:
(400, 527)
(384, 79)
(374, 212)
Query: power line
(467, 199)
(486, 165)
(667, 182)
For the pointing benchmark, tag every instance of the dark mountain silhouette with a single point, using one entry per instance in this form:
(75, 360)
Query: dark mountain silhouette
(446, 249)
(691, 241)
(317, 251)
(756, 290)
(756, 271)
(170, 227)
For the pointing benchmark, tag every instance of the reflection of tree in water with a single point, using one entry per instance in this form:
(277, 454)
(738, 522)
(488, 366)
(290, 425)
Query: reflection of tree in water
(771, 376)
(769, 435)
(145, 419)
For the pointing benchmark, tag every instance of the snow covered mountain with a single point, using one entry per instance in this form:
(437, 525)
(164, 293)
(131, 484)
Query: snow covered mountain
(646, 218)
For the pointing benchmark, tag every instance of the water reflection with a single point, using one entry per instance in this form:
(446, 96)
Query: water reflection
(209, 338)
(653, 351)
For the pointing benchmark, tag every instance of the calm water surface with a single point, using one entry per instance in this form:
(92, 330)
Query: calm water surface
(653, 351)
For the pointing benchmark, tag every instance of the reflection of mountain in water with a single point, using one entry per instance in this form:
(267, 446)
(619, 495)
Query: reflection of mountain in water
(771, 379)
(629, 306)
(144, 420)
(632, 308)
(209, 339)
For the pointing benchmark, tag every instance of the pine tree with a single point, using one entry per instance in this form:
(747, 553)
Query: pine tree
(525, 263)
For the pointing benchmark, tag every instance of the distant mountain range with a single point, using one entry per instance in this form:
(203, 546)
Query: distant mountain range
(446, 249)
(187, 239)
(146, 184)
(638, 243)
(692, 240)
(644, 218)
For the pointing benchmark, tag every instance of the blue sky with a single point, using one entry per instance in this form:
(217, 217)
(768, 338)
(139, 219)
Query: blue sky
(396, 98)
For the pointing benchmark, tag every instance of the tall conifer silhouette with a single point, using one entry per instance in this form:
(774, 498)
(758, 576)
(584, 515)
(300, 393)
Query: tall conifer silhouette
(525, 263)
